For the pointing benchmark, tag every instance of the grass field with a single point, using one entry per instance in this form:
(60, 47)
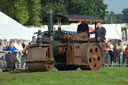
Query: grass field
(104, 76)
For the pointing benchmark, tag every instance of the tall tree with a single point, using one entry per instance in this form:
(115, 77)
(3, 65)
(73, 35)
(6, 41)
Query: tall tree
(57, 6)
(74, 7)
(87, 7)
(119, 18)
(125, 14)
(26, 12)
(111, 17)
(17, 9)
(34, 12)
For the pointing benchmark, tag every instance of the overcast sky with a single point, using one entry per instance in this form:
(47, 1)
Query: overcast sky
(116, 5)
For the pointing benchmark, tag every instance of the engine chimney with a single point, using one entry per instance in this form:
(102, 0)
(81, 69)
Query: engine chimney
(50, 22)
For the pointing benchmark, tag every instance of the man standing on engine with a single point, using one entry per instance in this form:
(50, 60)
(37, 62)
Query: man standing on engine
(83, 27)
(99, 32)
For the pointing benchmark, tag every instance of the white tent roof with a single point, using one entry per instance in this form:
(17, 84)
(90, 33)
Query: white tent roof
(11, 29)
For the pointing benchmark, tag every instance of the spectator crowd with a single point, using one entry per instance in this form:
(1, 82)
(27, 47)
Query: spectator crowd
(116, 53)
(13, 54)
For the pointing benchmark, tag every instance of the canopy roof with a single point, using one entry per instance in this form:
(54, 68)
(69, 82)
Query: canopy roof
(73, 18)
(57, 18)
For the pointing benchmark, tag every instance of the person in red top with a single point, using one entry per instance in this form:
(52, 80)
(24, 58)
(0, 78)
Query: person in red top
(126, 55)
(107, 54)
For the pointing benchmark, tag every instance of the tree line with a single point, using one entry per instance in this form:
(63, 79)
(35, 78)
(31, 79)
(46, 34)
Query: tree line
(112, 18)
(26, 12)
(31, 12)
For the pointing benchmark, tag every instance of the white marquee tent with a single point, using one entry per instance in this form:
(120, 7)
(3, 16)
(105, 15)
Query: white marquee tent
(113, 31)
(11, 29)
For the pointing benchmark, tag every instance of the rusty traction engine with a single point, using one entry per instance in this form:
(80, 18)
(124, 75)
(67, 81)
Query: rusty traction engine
(63, 50)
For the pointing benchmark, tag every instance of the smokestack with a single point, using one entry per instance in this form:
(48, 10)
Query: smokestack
(50, 22)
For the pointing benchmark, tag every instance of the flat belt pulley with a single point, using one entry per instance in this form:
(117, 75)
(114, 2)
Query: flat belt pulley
(39, 59)
(91, 56)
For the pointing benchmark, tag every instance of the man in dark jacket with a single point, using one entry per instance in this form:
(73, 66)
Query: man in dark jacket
(99, 32)
(83, 27)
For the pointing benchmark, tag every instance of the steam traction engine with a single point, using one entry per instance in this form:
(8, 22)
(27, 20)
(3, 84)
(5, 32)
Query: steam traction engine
(63, 50)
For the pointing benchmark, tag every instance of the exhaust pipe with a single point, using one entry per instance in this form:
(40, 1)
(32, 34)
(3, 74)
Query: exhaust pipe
(50, 22)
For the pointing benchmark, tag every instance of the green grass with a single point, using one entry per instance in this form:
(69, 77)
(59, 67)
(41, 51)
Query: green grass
(104, 76)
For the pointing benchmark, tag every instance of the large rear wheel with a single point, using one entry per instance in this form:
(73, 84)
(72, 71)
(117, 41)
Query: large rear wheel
(92, 56)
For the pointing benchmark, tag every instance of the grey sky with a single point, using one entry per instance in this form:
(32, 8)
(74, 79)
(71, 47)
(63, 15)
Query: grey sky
(116, 5)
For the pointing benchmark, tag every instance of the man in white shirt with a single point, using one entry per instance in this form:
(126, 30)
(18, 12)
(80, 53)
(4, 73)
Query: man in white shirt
(19, 47)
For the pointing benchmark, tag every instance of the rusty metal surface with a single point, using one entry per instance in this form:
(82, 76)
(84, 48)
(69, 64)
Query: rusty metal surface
(100, 20)
(91, 55)
(37, 54)
(33, 67)
(84, 49)
(81, 36)
(77, 60)
(37, 59)
(61, 49)
(69, 54)
(50, 52)
(76, 49)
(77, 53)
